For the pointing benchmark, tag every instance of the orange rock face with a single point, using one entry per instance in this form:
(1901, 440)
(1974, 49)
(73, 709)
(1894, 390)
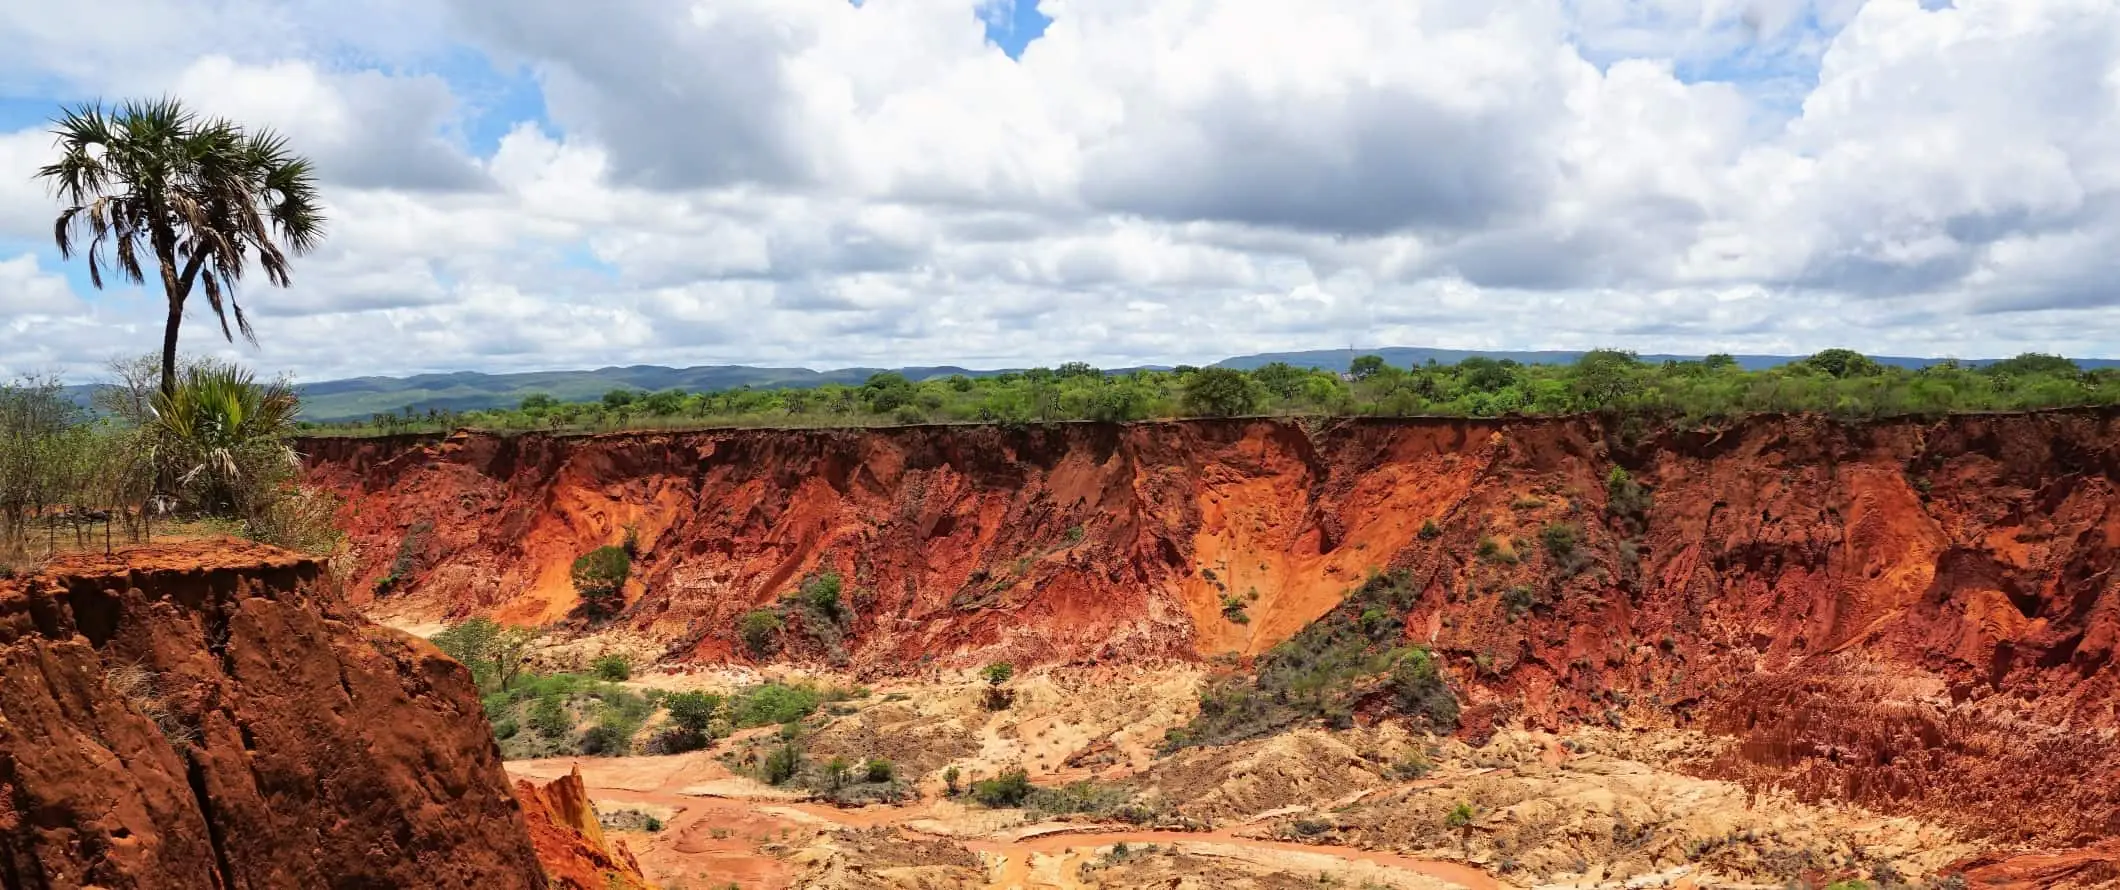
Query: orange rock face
(571, 842)
(1918, 615)
(210, 716)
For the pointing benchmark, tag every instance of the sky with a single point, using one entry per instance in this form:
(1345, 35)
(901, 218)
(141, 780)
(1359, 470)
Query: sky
(546, 184)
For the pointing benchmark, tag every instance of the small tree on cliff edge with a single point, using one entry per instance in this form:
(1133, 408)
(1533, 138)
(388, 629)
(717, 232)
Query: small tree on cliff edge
(600, 577)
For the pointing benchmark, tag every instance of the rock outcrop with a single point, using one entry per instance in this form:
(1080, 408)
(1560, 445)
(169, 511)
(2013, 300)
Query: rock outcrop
(210, 716)
(570, 840)
(1917, 614)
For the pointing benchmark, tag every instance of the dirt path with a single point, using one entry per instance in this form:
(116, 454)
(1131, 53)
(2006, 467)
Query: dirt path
(739, 838)
(1015, 871)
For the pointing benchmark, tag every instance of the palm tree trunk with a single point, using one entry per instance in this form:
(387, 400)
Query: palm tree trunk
(169, 340)
(164, 242)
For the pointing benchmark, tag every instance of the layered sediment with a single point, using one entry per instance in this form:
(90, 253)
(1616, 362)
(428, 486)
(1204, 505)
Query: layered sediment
(1916, 614)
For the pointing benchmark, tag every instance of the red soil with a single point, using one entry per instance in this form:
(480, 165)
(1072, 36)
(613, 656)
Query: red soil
(297, 745)
(1919, 615)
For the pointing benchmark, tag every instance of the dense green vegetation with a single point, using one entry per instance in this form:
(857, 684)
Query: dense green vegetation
(1348, 657)
(1836, 381)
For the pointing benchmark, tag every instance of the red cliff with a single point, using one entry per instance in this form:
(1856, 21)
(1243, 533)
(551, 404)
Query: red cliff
(1918, 614)
(209, 716)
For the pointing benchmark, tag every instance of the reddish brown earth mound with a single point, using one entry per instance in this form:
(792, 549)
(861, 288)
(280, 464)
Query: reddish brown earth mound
(571, 841)
(209, 716)
(1915, 614)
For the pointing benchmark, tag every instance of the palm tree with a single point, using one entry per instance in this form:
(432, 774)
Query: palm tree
(200, 196)
(223, 436)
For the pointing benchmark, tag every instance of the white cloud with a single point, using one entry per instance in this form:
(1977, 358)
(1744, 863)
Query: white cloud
(811, 181)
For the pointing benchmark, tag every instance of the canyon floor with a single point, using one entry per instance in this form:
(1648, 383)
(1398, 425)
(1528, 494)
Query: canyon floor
(1592, 808)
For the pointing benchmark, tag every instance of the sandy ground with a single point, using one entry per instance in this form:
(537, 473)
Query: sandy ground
(1594, 810)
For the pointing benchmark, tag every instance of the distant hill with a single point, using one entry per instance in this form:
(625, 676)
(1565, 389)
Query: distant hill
(470, 390)
(1409, 356)
(362, 397)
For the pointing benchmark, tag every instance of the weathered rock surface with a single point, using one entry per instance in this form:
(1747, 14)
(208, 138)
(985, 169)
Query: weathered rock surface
(210, 716)
(1915, 614)
(570, 840)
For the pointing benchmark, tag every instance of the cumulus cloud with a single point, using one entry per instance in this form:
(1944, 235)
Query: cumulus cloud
(825, 183)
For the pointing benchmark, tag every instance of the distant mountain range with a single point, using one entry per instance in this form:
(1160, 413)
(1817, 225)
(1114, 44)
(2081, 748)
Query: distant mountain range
(361, 397)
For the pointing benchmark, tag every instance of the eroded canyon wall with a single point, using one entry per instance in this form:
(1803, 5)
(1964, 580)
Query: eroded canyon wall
(210, 716)
(1912, 612)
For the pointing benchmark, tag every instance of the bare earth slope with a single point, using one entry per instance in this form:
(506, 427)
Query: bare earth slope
(208, 716)
(1914, 614)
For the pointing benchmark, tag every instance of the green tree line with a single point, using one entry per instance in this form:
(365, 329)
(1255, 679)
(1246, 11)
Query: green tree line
(1838, 382)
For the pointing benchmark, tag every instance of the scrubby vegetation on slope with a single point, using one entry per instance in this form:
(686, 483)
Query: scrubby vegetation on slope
(1837, 381)
(1355, 654)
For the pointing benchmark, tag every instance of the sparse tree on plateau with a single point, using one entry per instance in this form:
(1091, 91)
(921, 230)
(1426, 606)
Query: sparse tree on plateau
(150, 183)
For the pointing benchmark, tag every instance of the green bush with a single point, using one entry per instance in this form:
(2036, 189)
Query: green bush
(772, 703)
(692, 710)
(758, 628)
(1010, 789)
(549, 717)
(606, 740)
(998, 673)
(600, 578)
(820, 595)
(613, 668)
(782, 764)
(878, 769)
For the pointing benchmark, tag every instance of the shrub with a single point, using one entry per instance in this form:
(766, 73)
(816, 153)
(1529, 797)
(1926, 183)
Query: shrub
(1492, 550)
(606, 739)
(600, 577)
(549, 717)
(613, 668)
(1562, 541)
(1233, 610)
(297, 517)
(1627, 502)
(676, 740)
(758, 628)
(692, 710)
(782, 764)
(998, 673)
(1417, 688)
(771, 703)
(950, 775)
(878, 769)
(820, 595)
(1518, 600)
(223, 436)
(1430, 531)
(1009, 789)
